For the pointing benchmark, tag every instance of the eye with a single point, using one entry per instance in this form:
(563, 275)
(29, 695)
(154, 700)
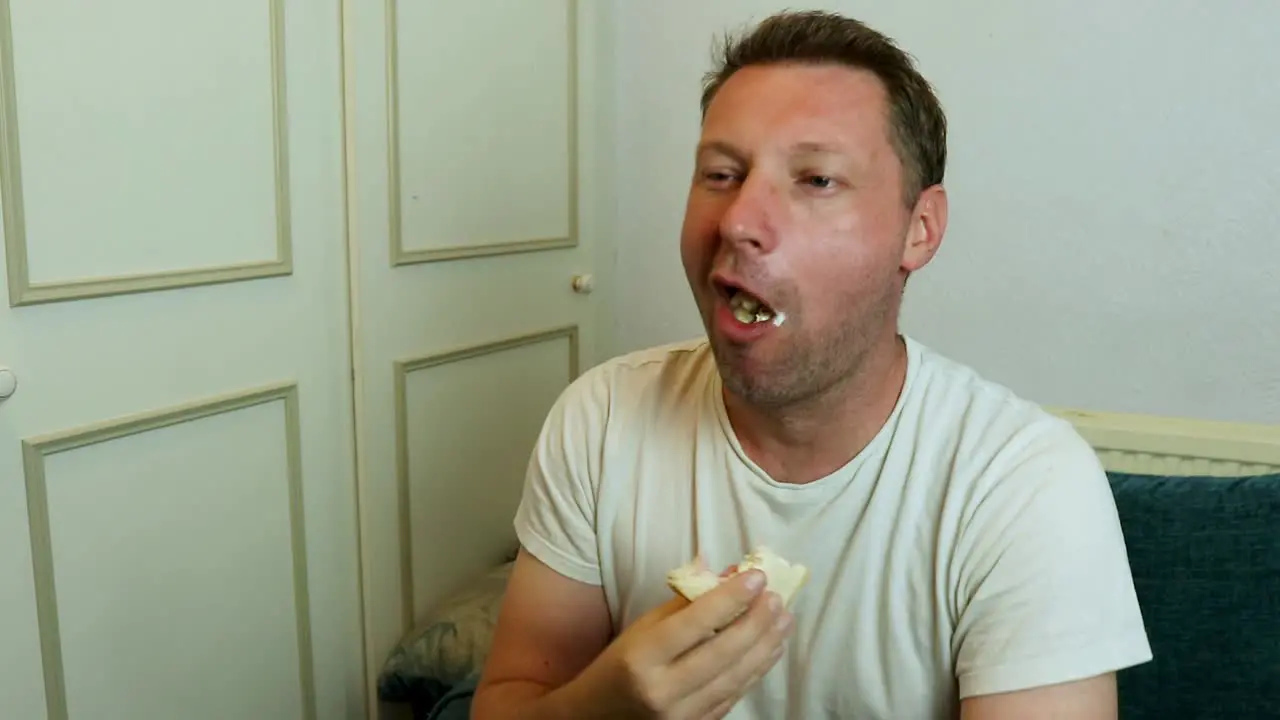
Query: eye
(822, 182)
(718, 178)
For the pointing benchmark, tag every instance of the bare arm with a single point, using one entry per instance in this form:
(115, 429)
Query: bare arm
(1091, 699)
(549, 629)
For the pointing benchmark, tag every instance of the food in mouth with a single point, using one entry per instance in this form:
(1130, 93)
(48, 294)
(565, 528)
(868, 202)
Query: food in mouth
(749, 310)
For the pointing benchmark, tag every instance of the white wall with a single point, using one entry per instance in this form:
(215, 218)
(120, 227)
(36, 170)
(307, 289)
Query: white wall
(1115, 233)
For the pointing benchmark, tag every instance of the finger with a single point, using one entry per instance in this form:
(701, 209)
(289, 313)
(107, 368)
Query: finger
(705, 616)
(667, 609)
(749, 639)
(721, 710)
(724, 691)
(649, 622)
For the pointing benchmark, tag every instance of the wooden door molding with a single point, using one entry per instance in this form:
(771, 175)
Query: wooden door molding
(22, 291)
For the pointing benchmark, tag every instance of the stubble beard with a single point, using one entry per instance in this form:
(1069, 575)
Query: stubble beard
(799, 375)
(811, 369)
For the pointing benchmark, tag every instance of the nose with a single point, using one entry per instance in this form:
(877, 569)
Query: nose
(750, 220)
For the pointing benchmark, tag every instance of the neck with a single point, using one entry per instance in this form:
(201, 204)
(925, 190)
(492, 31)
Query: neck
(809, 440)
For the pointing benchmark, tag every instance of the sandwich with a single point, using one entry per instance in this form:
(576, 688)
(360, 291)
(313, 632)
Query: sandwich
(785, 578)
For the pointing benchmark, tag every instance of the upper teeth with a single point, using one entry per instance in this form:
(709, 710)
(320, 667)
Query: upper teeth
(749, 310)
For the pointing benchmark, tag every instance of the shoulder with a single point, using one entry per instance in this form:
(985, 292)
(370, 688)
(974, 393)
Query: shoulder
(557, 515)
(1033, 553)
(1015, 472)
(984, 429)
(612, 402)
(632, 380)
(654, 364)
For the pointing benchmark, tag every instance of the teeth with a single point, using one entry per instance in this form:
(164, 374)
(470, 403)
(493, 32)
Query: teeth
(749, 310)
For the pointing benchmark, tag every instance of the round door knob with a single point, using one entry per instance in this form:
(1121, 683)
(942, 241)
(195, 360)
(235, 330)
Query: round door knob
(583, 284)
(8, 383)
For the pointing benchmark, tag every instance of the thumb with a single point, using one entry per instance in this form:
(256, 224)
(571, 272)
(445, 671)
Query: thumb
(699, 620)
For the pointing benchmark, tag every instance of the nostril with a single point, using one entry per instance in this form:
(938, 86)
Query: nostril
(744, 234)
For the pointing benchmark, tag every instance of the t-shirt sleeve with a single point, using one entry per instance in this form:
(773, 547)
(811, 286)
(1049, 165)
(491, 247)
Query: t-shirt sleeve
(1046, 594)
(555, 520)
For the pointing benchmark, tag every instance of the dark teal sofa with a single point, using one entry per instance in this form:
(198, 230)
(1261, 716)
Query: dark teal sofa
(1205, 555)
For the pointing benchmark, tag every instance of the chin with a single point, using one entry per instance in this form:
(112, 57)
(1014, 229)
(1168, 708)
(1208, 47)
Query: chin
(757, 394)
(749, 382)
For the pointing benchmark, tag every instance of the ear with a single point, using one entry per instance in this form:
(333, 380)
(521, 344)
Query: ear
(928, 224)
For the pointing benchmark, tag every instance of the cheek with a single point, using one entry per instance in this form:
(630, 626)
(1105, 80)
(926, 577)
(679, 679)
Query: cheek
(693, 250)
(698, 235)
(839, 279)
(862, 250)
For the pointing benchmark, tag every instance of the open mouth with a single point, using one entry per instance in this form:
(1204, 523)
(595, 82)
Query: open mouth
(749, 309)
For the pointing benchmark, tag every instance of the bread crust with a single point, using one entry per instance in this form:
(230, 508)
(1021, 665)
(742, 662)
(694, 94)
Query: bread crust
(694, 578)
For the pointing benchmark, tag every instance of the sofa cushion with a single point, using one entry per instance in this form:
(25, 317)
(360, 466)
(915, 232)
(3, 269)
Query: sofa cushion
(1205, 556)
(456, 704)
(446, 647)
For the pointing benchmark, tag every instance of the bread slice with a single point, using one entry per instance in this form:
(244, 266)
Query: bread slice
(785, 578)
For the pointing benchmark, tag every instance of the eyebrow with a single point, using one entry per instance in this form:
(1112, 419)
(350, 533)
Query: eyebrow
(723, 148)
(810, 147)
(815, 148)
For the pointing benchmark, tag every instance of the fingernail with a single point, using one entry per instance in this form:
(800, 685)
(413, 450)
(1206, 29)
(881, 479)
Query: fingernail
(775, 602)
(755, 580)
(783, 621)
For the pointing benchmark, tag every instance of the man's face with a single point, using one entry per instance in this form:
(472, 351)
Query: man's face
(797, 204)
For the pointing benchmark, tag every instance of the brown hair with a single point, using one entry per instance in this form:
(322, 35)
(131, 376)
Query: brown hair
(918, 126)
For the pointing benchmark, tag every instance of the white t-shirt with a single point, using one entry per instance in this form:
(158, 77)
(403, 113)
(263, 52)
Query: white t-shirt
(972, 547)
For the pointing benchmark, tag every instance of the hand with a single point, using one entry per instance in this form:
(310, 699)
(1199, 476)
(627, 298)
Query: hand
(691, 660)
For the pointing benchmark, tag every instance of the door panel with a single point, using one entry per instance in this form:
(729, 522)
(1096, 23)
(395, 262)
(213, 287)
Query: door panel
(481, 110)
(177, 532)
(451, 486)
(472, 124)
(97, 583)
(108, 110)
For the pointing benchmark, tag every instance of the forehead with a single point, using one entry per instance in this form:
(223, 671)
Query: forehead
(787, 104)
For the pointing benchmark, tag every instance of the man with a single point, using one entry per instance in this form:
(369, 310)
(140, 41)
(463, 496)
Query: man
(965, 551)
